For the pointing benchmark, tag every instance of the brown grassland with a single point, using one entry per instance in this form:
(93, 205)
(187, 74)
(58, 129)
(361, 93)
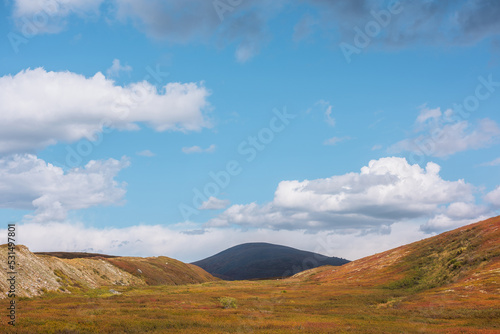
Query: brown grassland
(445, 284)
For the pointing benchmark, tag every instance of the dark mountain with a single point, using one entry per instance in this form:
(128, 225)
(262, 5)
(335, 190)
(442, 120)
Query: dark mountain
(262, 260)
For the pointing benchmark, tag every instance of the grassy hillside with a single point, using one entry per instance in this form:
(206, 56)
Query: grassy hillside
(263, 260)
(426, 264)
(162, 270)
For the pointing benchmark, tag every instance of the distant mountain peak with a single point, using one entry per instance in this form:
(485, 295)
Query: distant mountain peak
(259, 260)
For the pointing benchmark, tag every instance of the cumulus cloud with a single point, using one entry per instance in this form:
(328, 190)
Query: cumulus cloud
(440, 135)
(214, 203)
(385, 191)
(41, 108)
(493, 197)
(116, 68)
(457, 214)
(30, 183)
(198, 149)
(443, 222)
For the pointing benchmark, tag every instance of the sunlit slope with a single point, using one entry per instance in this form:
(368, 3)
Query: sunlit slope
(162, 270)
(463, 263)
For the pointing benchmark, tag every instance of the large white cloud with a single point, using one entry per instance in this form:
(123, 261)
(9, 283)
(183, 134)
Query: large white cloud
(27, 182)
(40, 108)
(386, 191)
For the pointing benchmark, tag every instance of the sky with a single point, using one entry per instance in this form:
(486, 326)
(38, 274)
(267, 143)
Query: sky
(182, 128)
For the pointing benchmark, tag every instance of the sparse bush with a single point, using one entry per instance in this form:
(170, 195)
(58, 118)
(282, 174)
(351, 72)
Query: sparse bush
(228, 302)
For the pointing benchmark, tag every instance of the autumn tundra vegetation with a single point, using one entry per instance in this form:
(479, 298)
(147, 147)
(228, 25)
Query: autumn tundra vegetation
(449, 283)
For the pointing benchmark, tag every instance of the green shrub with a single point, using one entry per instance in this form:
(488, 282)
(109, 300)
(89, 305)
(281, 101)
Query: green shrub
(228, 302)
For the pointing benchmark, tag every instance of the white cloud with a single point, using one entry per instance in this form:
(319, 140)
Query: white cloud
(162, 240)
(48, 16)
(461, 210)
(376, 147)
(214, 203)
(495, 162)
(443, 136)
(146, 153)
(426, 113)
(198, 149)
(328, 116)
(385, 191)
(324, 107)
(493, 197)
(40, 108)
(116, 68)
(53, 7)
(27, 182)
(456, 214)
(442, 222)
(244, 53)
(335, 140)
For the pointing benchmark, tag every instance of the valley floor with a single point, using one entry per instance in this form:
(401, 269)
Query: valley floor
(274, 306)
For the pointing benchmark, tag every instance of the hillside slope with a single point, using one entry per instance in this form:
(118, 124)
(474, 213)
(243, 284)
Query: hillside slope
(263, 260)
(39, 273)
(455, 267)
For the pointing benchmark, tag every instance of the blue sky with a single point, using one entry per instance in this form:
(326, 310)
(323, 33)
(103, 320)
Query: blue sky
(183, 128)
